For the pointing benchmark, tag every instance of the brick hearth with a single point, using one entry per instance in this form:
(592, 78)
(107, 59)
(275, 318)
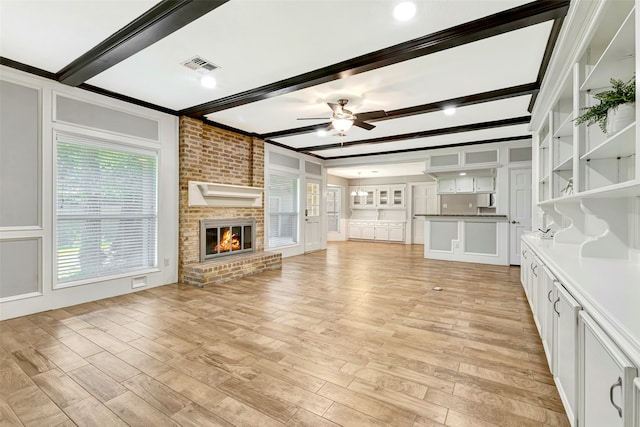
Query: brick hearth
(226, 269)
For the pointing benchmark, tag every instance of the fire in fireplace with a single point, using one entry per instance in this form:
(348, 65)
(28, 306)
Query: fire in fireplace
(221, 237)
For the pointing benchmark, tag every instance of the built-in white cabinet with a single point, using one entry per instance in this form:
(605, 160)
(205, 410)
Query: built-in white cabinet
(396, 232)
(636, 392)
(606, 377)
(574, 161)
(378, 197)
(566, 310)
(546, 314)
(462, 160)
(385, 231)
(446, 185)
(484, 184)
(465, 184)
(391, 197)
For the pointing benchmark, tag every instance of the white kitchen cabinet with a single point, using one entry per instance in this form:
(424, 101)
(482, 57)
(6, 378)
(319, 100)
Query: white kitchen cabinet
(566, 310)
(545, 310)
(636, 392)
(465, 184)
(381, 231)
(396, 232)
(484, 184)
(368, 231)
(446, 185)
(355, 230)
(535, 283)
(390, 197)
(525, 266)
(606, 378)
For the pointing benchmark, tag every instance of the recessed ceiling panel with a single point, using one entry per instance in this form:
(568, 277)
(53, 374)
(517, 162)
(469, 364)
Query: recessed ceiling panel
(378, 170)
(489, 64)
(486, 112)
(260, 42)
(51, 34)
(431, 142)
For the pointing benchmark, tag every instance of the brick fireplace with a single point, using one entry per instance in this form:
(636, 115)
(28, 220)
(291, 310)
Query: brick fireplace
(210, 154)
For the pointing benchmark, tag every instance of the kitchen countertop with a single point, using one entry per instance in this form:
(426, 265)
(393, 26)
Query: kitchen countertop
(494, 216)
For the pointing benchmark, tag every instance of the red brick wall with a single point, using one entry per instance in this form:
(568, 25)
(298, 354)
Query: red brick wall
(210, 154)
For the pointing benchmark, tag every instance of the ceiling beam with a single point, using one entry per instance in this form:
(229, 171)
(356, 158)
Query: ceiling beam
(462, 101)
(546, 57)
(421, 134)
(512, 19)
(155, 24)
(437, 147)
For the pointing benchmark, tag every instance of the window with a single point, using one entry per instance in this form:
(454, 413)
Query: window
(334, 195)
(106, 210)
(283, 210)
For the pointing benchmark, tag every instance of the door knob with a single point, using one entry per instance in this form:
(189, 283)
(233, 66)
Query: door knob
(515, 222)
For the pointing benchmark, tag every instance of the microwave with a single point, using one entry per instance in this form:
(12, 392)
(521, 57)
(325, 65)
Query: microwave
(486, 200)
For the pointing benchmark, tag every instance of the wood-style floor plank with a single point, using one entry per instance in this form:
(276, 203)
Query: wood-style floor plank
(350, 336)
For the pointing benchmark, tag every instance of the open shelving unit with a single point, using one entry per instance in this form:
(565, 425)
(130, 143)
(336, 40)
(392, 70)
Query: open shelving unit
(581, 165)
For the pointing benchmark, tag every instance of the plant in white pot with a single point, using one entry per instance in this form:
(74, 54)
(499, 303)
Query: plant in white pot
(616, 108)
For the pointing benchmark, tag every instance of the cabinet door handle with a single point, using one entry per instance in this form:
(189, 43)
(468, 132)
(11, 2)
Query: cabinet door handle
(549, 295)
(555, 306)
(616, 384)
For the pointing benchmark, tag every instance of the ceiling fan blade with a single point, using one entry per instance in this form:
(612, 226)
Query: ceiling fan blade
(313, 118)
(371, 115)
(363, 125)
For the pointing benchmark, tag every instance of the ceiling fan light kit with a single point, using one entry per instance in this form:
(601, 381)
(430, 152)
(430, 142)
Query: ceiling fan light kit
(343, 119)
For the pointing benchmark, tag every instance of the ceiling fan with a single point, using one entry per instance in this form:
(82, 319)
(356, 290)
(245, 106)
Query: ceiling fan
(342, 119)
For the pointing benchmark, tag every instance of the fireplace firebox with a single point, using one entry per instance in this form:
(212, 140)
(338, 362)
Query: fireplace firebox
(223, 237)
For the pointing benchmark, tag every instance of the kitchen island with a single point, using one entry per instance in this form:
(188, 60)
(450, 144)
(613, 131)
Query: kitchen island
(467, 238)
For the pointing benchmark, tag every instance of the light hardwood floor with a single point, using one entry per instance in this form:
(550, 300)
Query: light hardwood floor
(350, 336)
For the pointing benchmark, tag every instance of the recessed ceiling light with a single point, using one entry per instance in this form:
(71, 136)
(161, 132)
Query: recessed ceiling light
(463, 173)
(321, 132)
(209, 82)
(450, 111)
(404, 11)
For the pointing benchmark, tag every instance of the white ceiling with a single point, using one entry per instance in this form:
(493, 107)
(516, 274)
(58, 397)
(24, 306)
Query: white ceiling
(264, 42)
(379, 170)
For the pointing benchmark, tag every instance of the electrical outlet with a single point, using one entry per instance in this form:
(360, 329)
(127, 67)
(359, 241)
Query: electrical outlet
(444, 206)
(470, 205)
(166, 262)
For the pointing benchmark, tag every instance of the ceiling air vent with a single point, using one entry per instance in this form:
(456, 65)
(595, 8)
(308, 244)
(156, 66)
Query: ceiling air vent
(200, 64)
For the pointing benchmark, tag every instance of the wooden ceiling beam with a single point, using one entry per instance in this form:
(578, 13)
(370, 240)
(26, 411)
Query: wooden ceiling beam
(421, 134)
(155, 24)
(437, 147)
(509, 20)
(459, 102)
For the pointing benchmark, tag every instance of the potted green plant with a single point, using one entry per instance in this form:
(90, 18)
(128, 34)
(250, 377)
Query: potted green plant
(616, 107)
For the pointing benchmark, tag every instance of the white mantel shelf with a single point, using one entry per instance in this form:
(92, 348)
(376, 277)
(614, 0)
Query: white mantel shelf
(224, 195)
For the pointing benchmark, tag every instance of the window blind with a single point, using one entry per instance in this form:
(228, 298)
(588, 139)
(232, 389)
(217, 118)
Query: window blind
(283, 210)
(106, 210)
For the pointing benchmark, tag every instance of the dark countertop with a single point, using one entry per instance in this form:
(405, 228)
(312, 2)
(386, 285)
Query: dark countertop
(494, 216)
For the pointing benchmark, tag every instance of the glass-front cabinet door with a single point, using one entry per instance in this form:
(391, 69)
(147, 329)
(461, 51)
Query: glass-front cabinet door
(397, 197)
(383, 197)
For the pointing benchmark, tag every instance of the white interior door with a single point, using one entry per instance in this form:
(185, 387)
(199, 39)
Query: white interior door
(424, 200)
(519, 210)
(313, 225)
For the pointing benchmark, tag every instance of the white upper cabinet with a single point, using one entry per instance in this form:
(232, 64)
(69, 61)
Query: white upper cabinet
(484, 184)
(446, 185)
(464, 184)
